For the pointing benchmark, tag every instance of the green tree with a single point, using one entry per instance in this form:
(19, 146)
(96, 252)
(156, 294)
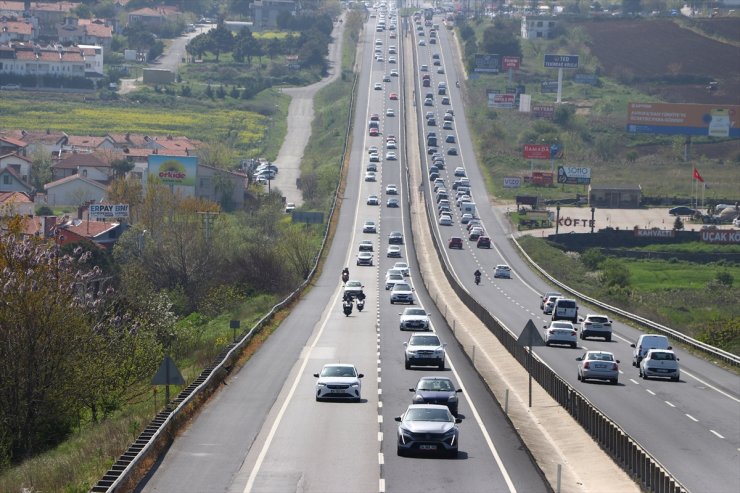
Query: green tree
(592, 258)
(614, 273)
(631, 6)
(221, 40)
(678, 224)
(501, 40)
(41, 170)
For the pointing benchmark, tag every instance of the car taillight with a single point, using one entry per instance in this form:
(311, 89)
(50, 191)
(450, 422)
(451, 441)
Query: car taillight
(586, 365)
(615, 367)
(573, 333)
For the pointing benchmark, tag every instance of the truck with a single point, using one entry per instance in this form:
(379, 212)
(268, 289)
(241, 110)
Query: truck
(467, 208)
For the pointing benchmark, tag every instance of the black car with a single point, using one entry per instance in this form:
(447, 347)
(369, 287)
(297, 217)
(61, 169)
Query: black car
(436, 390)
(395, 238)
(682, 210)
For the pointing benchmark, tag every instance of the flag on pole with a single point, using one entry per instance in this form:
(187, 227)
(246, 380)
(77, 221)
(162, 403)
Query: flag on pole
(697, 176)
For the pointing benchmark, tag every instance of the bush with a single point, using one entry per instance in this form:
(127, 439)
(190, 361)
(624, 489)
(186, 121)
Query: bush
(724, 278)
(592, 258)
(614, 274)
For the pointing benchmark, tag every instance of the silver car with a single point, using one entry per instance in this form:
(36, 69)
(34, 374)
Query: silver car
(660, 363)
(428, 428)
(600, 365)
(339, 381)
(402, 293)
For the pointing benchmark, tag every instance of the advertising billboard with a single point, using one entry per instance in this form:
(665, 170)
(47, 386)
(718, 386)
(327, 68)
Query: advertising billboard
(549, 86)
(173, 170)
(487, 63)
(543, 111)
(561, 61)
(510, 62)
(714, 120)
(574, 175)
(512, 182)
(536, 151)
(107, 211)
(722, 236)
(503, 100)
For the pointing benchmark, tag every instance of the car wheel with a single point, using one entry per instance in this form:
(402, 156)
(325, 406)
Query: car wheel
(547, 343)
(583, 337)
(573, 345)
(674, 379)
(579, 377)
(614, 381)
(441, 366)
(452, 454)
(608, 338)
(644, 376)
(391, 301)
(407, 365)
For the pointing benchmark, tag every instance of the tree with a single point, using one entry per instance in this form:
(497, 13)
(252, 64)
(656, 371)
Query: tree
(678, 224)
(41, 170)
(631, 6)
(127, 191)
(221, 40)
(501, 40)
(121, 167)
(614, 273)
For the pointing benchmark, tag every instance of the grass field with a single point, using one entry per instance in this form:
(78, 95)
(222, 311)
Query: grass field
(658, 276)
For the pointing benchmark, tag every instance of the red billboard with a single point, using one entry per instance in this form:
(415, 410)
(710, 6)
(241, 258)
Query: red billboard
(510, 62)
(536, 151)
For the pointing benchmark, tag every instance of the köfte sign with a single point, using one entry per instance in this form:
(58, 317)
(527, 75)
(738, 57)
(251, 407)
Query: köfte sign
(724, 236)
(574, 175)
(512, 182)
(569, 221)
(107, 211)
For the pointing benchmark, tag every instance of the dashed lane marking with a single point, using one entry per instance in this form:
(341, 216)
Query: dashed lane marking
(692, 418)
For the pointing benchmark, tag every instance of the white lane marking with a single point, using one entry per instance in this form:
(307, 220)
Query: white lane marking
(380, 418)
(710, 386)
(670, 403)
(381, 486)
(717, 434)
(381, 458)
(380, 404)
(380, 391)
(649, 391)
(380, 436)
(634, 381)
(692, 418)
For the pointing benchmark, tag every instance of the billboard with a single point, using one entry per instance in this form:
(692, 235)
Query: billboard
(714, 120)
(107, 211)
(574, 175)
(502, 101)
(536, 151)
(174, 170)
(512, 182)
(549, 86)
(510, 62)
(589, 79)
(487, 63)
(543, 111)
(561, 61)
(722, 236)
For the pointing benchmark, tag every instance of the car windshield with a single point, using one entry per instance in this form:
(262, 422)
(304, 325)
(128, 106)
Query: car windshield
(600, 357)
(395, 277)
(424, 341)
(441, 385)
(415, 311)
(338, 371)
(401, 286)
(353, 284)
(663, 356)
(427, 414)
(598, 320)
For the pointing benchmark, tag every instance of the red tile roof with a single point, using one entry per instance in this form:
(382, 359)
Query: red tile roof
(13, 141)
(16, 27)
(15, 197)
(76, 159)
(85, 141)
(88, 229)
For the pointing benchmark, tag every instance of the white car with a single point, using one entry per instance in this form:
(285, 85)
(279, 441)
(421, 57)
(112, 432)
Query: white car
(369, 227)
(424, 349)
(391, 144)
(402, 293)
(372, 150)
(546, 296)
(596, 326)
(502, 271)
(378, 86)
(339, 381)
(390, 112)
(561, 332)
(660, 363)
(414, 318)
(370, 176)
(365, 258)
(390, 156)
(403, 267)
(394, 251)
(365, 246)
(392, 279)
(373, 200)
(550, 304)
(445, 220)
(391, 190)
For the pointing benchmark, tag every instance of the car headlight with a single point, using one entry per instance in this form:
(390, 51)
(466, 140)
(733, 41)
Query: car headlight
(453, 398)
(451, 433)
(355, 384)
(418, 399)
(321, 385)
(411, 353)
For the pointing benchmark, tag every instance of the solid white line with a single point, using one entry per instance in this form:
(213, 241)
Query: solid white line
(710, 386)
(670, 404)
(649, 391)
(720, 436)
(692, 418)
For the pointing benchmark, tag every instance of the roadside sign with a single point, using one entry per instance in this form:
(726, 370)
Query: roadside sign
(510, 62)
(561, 61)
(107, 211)
(590, 79)
(487, 63)
(512, 181)
(549, 86)
(168, 374)
(536, 151)
(530, 336)
(543, 111)
(574, 175)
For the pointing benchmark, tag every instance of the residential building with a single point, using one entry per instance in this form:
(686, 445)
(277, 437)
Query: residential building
(153, 17)
(615, 196)
(94, 32)
(29, 59)
(214, 184)
(9, 145)
(74, 190)
(49, 14)
(19, 31)
(12, 181)
(538, 27)
(16, 204)
(96, 166)
(20, 164)
(266, 12)
(102, 234)
(87, 143)
(47, 143)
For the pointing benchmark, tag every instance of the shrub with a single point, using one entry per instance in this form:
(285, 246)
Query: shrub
(724, 278)
(614, 274)
(592, 258)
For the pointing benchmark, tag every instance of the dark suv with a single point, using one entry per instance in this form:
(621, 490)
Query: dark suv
(484, 242)
(455, 242)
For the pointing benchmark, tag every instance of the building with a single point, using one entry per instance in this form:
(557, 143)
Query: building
(20, 31)
(88, 165)
(538, 27)
(221, 186)
(266, 12)
(94, 32)
(102, 234)
(12, 181)
(153, 17)
(16, 204)
(20, 164)
(615, 196)
(32, 59)
(74, 190)
(49, 15)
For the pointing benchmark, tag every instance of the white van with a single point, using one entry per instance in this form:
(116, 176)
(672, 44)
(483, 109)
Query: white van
(645, 343)
(565, 309)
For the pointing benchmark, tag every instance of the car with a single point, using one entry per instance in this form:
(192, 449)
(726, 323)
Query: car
(372, 150)
(549, 304)
(395, 238)
(369, 227)
(560, 333)
(374, 158)
(374, 132)
(375, 117)
(391, 59)
(459, 172)
(422, 42)
(390, 112)
(428, 102)
(390, 156)
(447, 125)
(502, 271)
(390, 137)
(380, 59)
(596, 326)
(682, 210)
(445, 100)
(403, 267)
(645, 343)
(433, 41)
(448, 117)
(393, 96)
(660, 363)
(440, 70)
(289, 207)
(432, 150)
(445, 220)
(437, 63)
(365, 258)
(402, 293)
(473, 223)
(466, 218)
(545, 296)
(475, 233)
(455, 242)
(373, 200)
(370, 176)
(428, 428)
(598, 365)
(391, 189)
(452, 151)
(391, 144)
(394, 73)
(436, 390)
(394, 251)
(378, 86)
(424, 350)
(339, 381)
(392, 279)
(450, 139)
(392, 202)
(353, 288)
(365, 246)
(565, 309)
(371, 167)
(414, 318)
(386, 78)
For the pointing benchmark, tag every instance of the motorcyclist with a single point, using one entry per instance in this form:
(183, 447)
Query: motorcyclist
(345, 274)
(477, 275)
(457, 83)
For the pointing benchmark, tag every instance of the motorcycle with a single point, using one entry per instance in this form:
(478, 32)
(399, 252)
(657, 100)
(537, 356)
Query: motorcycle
(347, 307)
(457, 83)
(477, 280)
(360, 304)
(345, 277)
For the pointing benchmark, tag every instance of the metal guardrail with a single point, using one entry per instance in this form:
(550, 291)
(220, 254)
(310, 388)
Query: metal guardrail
(724, 356)
(160, 431)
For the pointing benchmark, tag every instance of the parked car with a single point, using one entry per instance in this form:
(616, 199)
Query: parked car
(427, 428)
(560, 333)
(339, 381)
(600, 365)
(415, 319)
(660, 363)
(645, 343)
(682, 210)
(436, 390)
(596, 326)
(424, 349)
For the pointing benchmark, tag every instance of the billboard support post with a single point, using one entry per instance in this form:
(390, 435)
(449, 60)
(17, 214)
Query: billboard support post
(560, 86)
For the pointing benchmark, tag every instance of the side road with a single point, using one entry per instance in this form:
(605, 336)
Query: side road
(300, 119)
(551, 435)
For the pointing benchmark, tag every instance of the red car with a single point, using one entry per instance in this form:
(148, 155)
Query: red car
(374, 132)
(393, 96)
(455, 242)
(374, 117)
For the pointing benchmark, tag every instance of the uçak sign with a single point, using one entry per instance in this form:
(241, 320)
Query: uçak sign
(574, 175)
(725, 236)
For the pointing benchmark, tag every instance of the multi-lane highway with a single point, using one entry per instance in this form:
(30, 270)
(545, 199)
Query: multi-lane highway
(692, 427)
(265, 431)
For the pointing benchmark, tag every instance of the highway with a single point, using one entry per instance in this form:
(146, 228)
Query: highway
(264, 431)
(692, 427)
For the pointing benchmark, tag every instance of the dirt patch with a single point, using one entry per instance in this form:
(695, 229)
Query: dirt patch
(663, 59)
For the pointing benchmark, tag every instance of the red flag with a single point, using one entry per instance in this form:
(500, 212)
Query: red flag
(697, 176)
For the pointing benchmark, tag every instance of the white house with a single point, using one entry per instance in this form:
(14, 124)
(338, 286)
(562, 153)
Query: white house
(74, 190)
(538, 27)
(20, 164)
